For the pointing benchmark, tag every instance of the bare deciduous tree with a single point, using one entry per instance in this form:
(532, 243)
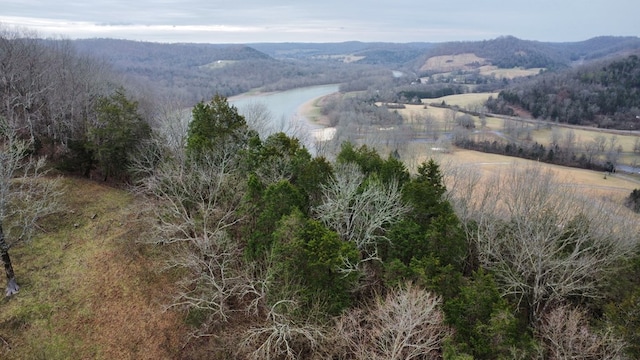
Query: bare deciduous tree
(544, 242)
(259, 118)
(25, 196)
(406, 324)
(359, 212)
(600, 143)
(193, 206)
(566, 334)
(282, 338)
(569, 140)
(46, 88)
(555, 137)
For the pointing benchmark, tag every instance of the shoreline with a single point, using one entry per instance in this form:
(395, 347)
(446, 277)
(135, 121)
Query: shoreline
(307, 111)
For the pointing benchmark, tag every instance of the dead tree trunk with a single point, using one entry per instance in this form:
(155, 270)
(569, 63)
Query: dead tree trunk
(12, 285)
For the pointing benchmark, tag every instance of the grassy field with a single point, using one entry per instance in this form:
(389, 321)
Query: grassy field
(508, 73)
(218, 64)
(445, 65)
(466, 101)
(88, 289)
(541, 132)
(615, 186)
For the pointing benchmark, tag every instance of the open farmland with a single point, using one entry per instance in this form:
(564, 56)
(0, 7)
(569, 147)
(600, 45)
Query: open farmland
(615, 185)
(509, 73)
(442, 120)
(448, 64)
(465, 101)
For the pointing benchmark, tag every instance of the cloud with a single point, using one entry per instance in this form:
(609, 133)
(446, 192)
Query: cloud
(326, 20)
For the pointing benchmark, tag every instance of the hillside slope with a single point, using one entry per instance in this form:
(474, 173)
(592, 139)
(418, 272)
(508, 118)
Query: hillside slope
(510, 52)
(88, 289)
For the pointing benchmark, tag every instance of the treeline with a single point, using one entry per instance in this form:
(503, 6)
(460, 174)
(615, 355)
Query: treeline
(381, 86)
(603, 95)
(73, 108)
(535, 151)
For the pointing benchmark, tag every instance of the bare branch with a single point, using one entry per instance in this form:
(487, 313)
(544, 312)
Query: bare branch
(543, 240)
(359, 212)
(281, 338)
(406, 324)
(566, 335)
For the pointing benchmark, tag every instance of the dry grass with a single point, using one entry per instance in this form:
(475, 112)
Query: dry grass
(539, 132)
(88, 290)
(465, 101)
(614, 187)
(508, 73)
(543, 136)
(218, 64)
(446, 63)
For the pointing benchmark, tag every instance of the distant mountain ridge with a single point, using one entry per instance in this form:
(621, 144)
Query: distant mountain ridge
(509, 51)
(119, 52)
(200, 70)
(504, 52)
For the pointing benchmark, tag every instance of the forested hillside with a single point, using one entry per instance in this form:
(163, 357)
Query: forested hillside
(509, 51)
(194, 72)
(605, 94)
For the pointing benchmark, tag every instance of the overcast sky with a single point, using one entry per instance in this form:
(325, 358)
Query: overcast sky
(246, 21)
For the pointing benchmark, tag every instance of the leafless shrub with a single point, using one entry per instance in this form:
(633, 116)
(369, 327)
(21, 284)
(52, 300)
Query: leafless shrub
(405, 324)
(566, 335)
(282, 338)
(216, 281)
(360, 213)
(26, 196)
(192, 207)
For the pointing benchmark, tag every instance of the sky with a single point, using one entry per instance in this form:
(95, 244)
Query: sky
(254, 21)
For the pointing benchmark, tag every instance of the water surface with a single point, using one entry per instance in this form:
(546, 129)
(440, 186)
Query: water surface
(285, 105)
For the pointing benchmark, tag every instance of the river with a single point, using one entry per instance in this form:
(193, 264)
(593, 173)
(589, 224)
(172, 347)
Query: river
(286, 106)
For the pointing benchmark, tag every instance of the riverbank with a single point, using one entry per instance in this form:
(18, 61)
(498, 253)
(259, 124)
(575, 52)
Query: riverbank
(311, 110)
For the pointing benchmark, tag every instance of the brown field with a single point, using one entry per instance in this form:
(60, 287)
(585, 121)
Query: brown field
(508, 73)
(612, 186)
(465, 101)
(447, 63)
(540, 132)
(218, 64)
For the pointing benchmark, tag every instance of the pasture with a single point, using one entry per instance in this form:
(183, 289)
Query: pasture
(446, 65)
(611, 186)
(545, 133)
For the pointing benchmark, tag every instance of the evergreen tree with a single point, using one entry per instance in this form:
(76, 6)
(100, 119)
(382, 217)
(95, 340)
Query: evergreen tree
(118, 130)
(307, 261)
(633, 201)
(216, 126)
